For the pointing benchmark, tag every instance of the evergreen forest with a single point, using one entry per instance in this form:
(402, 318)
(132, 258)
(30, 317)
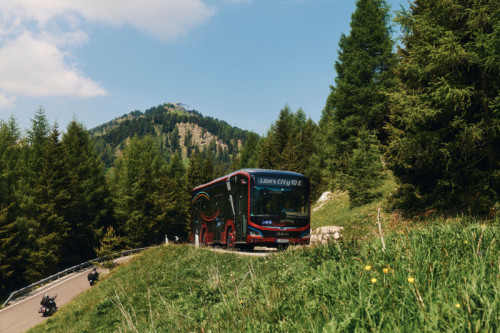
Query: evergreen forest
(421, 107)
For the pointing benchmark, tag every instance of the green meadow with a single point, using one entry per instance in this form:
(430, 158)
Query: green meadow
(442, 278)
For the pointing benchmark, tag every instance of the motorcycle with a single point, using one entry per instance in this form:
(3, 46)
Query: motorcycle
(50, 308)
(93, 277)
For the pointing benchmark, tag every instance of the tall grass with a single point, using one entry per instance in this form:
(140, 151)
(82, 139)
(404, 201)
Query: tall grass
(445, 278)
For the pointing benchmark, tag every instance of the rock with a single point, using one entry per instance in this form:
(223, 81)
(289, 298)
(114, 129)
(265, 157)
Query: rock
(322, 235)
(321, 201)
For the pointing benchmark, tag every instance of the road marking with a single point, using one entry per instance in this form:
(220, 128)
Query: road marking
(43, 291)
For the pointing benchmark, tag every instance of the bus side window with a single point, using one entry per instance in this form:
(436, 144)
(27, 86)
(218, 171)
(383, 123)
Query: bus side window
(204, 207)
(218, 204)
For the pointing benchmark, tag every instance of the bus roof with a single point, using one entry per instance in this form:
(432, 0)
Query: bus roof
(250, 172)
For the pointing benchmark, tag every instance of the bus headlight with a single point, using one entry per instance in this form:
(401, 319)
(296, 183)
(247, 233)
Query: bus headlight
(254, 232)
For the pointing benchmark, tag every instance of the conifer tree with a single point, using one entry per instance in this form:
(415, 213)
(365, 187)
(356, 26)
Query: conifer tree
(195, 175)
(13, 240)
(358, 100)
(146, 199)
(364, 175)
(52, 199)
(444, 136)
(208, 171)
(290, 143)
(276, 149)
(87, 207)
(37, 137)
(265, 157)
(109, 244)
(249, 152)
(179, 215)
(30, 168)
(176, 169)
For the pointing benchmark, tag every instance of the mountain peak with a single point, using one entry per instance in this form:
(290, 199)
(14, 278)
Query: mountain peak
(176, 128)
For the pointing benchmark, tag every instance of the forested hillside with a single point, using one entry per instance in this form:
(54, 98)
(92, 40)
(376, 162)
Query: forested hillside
(175, 129)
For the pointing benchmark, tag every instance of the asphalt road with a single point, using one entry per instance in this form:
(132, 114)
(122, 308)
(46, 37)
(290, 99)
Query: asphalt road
(23, 314)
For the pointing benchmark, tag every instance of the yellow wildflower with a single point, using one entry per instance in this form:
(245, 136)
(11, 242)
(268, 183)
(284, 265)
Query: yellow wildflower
(465, 242)
(385, 270)
(367, 268)
(373, 280)
(411, 280)
(457, 305)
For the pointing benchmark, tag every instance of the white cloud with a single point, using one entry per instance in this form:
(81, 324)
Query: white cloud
(36, 38)
(7, 101)
(34, 67)
(165, 19)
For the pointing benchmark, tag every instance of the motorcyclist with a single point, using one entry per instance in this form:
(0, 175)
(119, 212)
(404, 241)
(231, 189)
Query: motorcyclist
(48, 301)
(93, 276)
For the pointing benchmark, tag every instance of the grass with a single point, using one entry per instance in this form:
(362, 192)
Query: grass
(442, 278)
(358, 222)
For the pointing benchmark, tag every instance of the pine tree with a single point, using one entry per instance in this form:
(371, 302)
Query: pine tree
(13, 233)
(179, 215)
(444, 137)
(266, 151)
(87, 207)
(27, 208)
(37, 136)
(195, 175)
(249, 152)
(146, 199)
(364, 175)
(176, 169)
(358, 100)
(109, 244)
(289, 144)
(208, 171)
(52, 198)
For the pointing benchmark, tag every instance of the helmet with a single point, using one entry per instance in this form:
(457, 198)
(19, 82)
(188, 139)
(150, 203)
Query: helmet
(94, 269)
(46, 296)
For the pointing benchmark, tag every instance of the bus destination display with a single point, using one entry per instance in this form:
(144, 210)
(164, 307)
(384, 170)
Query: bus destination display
(273, 181)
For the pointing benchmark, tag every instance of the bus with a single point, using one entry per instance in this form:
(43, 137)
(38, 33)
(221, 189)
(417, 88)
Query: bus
(252, 207)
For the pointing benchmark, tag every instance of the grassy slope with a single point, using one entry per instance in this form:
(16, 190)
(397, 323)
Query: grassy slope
(359, 222)
(184, 289)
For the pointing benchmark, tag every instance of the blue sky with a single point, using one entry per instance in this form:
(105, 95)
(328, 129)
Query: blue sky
(237, 60)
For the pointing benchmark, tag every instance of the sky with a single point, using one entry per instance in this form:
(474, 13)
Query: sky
(240, 61)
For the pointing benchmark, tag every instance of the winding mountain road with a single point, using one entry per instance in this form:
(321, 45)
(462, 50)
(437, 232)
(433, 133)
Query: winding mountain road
(22, 312)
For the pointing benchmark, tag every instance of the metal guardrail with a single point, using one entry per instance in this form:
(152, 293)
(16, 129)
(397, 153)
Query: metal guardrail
(70, 270)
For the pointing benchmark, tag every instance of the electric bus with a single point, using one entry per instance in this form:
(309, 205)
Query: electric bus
(252, 207)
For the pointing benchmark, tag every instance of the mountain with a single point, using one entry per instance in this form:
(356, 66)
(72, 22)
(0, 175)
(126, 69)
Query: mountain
(177, 130)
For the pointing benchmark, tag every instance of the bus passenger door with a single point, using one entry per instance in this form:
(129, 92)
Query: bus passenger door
(241, 214)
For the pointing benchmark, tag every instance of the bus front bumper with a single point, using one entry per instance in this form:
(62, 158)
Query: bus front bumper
(270, 241)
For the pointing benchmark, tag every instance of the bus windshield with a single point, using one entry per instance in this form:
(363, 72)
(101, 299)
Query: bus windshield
(279, 202)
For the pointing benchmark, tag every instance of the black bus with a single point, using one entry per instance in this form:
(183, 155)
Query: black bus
(252, 207)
